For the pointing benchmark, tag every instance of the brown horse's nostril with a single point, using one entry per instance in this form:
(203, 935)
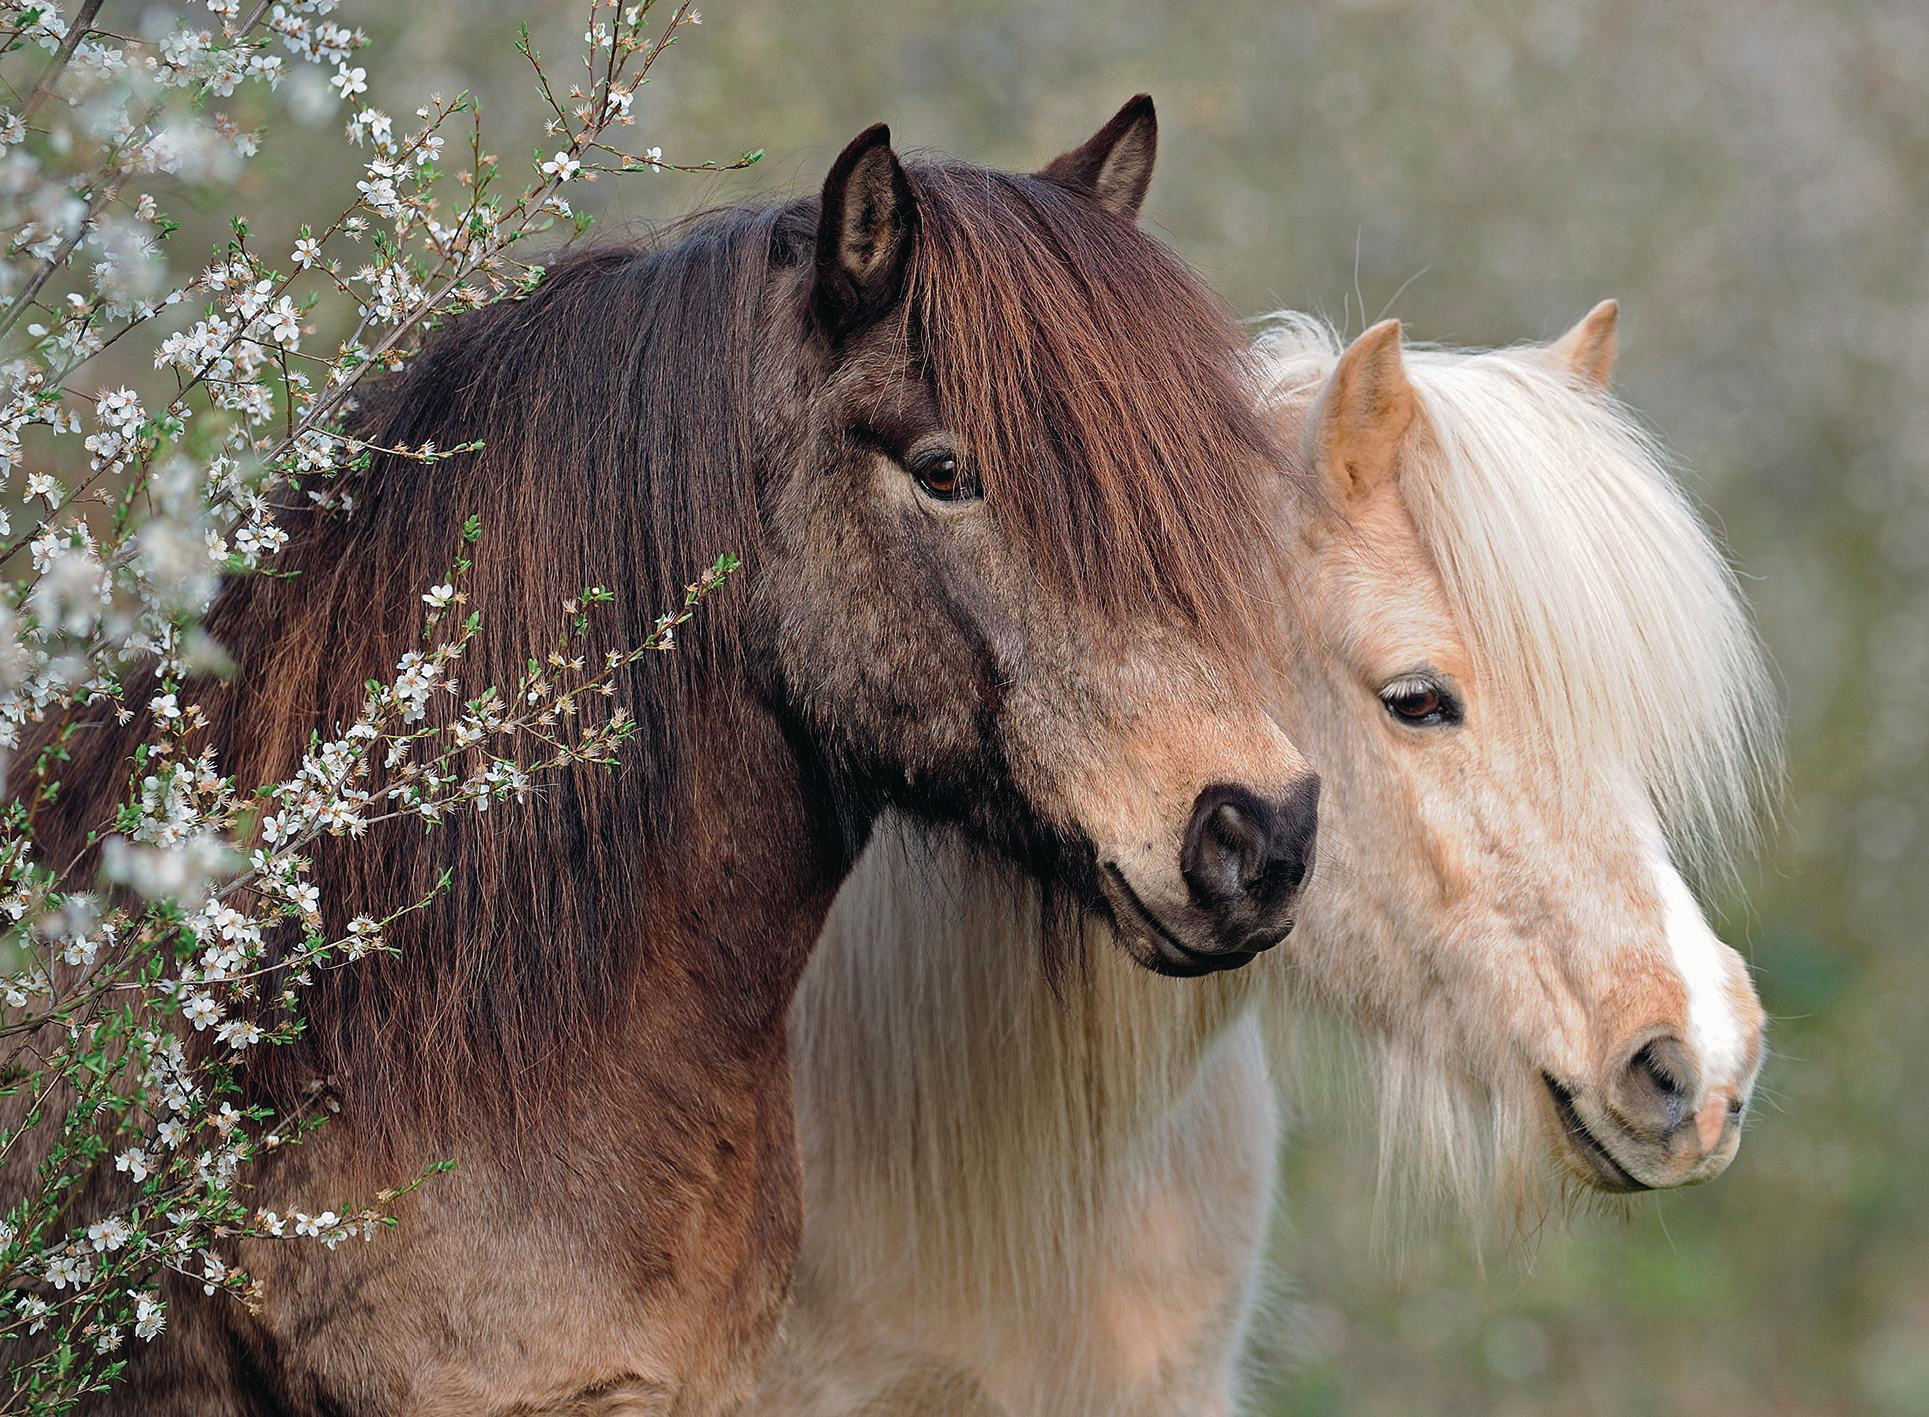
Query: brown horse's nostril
(1225, 847)
(1244, 857)
(1656, 1087)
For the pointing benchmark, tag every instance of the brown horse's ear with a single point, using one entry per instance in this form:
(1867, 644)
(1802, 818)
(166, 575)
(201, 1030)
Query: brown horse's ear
(1363, 414)
(1587, 351)
(864, 234)
(1114, 165)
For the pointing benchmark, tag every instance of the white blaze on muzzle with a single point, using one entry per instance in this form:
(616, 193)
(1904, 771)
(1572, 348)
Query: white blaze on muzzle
(1719, 1034)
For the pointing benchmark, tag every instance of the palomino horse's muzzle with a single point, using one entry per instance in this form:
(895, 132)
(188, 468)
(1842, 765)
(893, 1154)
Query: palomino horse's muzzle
(1655, 1122)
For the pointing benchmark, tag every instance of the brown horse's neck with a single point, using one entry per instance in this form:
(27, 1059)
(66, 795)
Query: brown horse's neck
(654, 914)
(603, 952)
(733, 898)
(627, 1181)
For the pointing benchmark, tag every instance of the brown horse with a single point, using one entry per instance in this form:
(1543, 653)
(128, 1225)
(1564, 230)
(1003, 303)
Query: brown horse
(987, 455)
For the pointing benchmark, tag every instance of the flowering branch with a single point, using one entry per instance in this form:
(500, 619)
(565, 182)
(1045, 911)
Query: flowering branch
(134, 992)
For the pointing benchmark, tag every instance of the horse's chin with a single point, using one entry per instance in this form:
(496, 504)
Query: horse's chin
(1584, 1152)
(1154, 944)
(1162, 956)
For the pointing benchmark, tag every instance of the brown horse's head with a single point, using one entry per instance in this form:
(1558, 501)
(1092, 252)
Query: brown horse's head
(1012, 493)
(990, 459)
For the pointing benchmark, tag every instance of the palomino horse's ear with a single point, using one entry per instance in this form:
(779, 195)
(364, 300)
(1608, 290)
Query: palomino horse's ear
(864, 234)
(1587, 351)
(1363, 414)
(1114, 165)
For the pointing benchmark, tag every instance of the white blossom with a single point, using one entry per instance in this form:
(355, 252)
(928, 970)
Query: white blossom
(65, 1269)
(109, 1234)
(200, 1010)
(150, 1315)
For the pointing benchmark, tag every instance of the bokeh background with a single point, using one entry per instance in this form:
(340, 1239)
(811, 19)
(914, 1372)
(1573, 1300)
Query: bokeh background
(1751, 179)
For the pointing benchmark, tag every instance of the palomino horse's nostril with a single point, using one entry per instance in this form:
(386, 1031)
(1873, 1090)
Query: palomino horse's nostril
(1712, 1121)
(1656, 1087)
(1242, 846)
(1655, 1072)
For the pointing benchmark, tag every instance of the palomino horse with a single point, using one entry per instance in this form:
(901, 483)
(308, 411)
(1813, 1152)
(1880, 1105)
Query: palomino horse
(1524, 673)
(990, 458)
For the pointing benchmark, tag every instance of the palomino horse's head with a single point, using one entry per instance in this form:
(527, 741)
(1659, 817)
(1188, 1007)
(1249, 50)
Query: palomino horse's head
(1534, 695)
(1010, 479)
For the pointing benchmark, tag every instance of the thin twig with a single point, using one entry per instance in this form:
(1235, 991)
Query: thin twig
(76, 32)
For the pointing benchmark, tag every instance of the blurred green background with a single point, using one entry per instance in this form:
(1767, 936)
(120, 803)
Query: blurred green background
(1751, 179)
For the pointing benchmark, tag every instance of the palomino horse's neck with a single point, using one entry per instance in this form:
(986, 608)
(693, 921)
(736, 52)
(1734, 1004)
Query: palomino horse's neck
(1021, 1095)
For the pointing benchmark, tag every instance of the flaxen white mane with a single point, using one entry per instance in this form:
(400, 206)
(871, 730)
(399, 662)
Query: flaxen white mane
(1588, 585)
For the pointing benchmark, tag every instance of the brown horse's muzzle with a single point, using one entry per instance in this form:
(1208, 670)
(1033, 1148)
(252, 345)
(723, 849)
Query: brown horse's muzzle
(1244, 861)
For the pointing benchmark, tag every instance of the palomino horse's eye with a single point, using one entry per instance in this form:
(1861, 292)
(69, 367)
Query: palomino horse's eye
(941, 477)
(1421, 702)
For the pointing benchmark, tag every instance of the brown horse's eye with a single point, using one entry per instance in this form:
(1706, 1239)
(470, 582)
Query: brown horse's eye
(941, 477)
(1421, 702)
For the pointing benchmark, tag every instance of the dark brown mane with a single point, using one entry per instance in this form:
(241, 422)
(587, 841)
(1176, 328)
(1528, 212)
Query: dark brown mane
(613, 408)
(616, 411)
(1054, 330)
